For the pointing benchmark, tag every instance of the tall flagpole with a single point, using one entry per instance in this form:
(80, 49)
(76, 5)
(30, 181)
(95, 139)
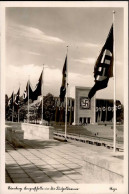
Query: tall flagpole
(18, 104)
(114, 81)
(42, 89)
(18, 115)
(13, 106)
(28, 100)
(66, 95)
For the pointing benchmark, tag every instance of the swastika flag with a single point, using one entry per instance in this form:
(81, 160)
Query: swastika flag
(103, 68)
(63, 86)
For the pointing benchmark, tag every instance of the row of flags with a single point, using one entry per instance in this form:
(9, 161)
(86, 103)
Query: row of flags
(103, 68)
(14, 100)
(28, 93)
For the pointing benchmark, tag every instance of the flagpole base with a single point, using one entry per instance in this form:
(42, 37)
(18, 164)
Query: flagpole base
(60, 139)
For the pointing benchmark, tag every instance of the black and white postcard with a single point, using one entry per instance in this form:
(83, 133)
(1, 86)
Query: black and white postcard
(64, 97)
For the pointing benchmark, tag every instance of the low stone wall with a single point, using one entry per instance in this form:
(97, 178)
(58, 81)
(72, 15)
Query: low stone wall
(33, 131)
(105, 168)
(14, 136)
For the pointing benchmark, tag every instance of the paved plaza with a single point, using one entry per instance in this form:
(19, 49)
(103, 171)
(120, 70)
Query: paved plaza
(48, 161)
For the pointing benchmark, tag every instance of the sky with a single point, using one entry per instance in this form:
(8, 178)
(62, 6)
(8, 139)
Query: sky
(40, 35)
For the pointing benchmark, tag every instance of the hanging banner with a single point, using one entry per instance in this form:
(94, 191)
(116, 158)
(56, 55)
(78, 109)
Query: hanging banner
(97, 109)
(104, 109)
(100, 108)
(119, 107)
(84, 103)
(109, 108)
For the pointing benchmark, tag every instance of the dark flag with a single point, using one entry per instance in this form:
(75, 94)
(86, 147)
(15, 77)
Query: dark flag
(63, 86)
(25, 94)
(17, 100)
(103, 68)
(38, 90)
(11, 101)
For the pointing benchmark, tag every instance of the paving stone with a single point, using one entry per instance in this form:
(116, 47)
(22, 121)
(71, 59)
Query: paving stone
(64, 161)
(15, 171)
(79, 170)
(8, 180)
(18, 175)
(54, 174)
(65, 181)
(28, 165)
(10, 162)
(44, 179)
(45, 166)
(17, 167)
(22, 180)
(30, 169)
(70, 171)
(60, 166)
(52, 162)
(72, 165)
(75, 176)
(36, 173)
(61, 178)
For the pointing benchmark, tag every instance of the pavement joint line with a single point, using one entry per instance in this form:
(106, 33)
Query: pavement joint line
(50, 157)
(50, 150)
(9, 176)
(25, 172)
(31, 177)
(46, 173)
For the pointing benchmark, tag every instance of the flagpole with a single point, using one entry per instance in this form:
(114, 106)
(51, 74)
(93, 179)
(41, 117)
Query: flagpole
(114, 82)
(13, 106)
(28, 99)
(18, 103)
(42, 96)
(66, 96)
(18, 115)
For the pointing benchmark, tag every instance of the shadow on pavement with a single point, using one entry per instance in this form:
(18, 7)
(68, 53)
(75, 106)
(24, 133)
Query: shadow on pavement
(32, 171)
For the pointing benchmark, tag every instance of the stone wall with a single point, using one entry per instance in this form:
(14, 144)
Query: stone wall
(14, 136)
(33, 131)
(103, 168)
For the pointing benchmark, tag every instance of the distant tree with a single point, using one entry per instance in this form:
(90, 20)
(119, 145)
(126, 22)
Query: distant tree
(23, 112)
(48, 107)
(119, 112)
(6, 107)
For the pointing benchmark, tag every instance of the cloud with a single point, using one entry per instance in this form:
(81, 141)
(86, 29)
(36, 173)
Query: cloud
(31, 33)
(92, 45)
(16, 75)
(31, 53)
(85, 60)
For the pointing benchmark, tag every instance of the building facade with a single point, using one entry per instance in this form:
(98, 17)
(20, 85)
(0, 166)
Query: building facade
(95, 110)
(84, 109)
